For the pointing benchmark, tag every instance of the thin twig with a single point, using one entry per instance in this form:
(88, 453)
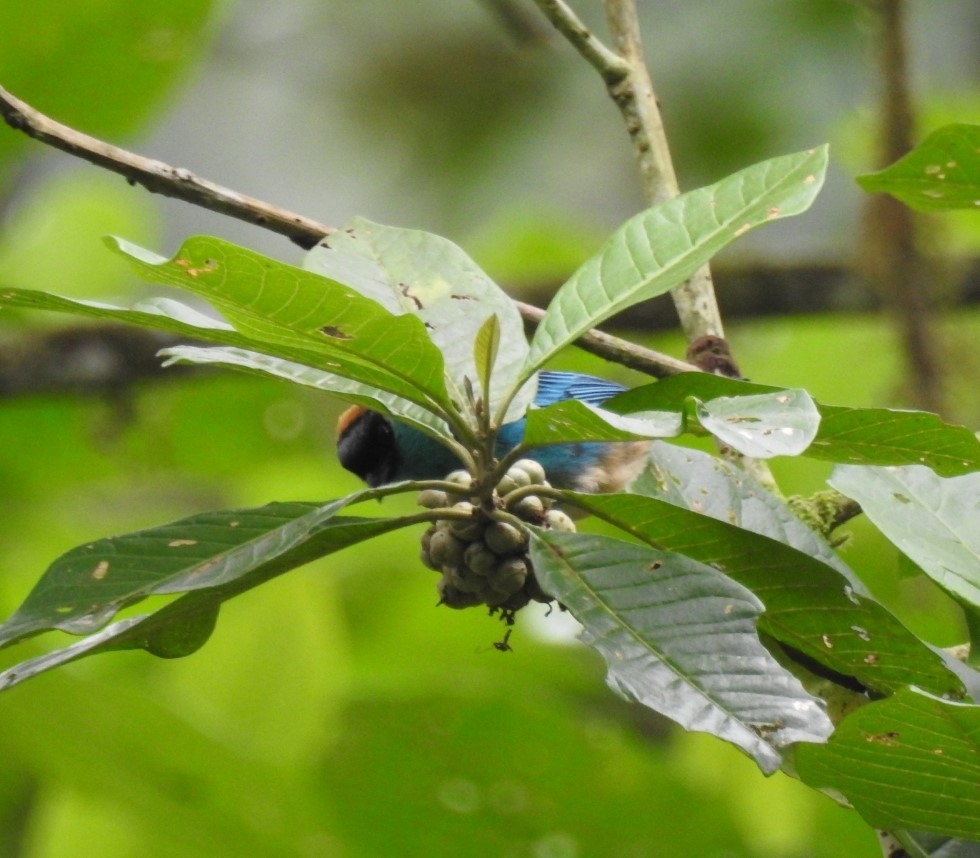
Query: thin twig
(624, 71)
(611, 66)
(697, 306)
(160, 178)
(618, 350)
(625, 74)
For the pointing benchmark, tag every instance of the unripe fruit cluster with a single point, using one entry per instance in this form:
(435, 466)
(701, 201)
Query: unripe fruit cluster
(482, 560)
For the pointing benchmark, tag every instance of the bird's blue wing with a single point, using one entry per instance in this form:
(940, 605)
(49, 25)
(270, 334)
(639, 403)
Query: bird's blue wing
(555, 386)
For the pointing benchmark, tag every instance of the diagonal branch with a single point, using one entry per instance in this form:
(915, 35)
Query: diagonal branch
(160, 178)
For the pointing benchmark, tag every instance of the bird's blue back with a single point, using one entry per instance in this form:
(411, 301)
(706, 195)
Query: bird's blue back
(423, 458)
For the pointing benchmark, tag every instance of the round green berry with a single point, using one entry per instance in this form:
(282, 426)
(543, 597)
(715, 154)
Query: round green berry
(508, 577)
(445, 549)
(532, 469)
(452, 597)
(503, 538)
(558, 520)
(529, 508)
(433, 499)
(479, 559)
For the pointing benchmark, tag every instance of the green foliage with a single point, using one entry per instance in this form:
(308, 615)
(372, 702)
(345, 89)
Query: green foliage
(942, 173)
(655, 616)
(663, 246)
(149, 48)
(889, 754)
(866, 436)
(712, 604)
(931, 519)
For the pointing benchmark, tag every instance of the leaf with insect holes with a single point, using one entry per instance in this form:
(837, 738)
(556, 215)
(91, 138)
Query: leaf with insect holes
(680, 638)
(942, 173)
(426, 276)
(810, 605)
(84, 588)
(907, 762)
(211, 558)
(661, 247)
(361, 384)
(867, 436)
(289, 308)
(764, 425)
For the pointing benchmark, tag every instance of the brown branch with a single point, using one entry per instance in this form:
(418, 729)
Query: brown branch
(160, 178)
(624, 71)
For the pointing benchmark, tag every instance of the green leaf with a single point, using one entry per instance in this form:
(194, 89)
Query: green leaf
(810, 606)
(305, 532)
(661, 247)
(920, 844)
(866, 436)
(485, 351)
(714, 487)
(164, 314)
(271, 302)
(298, 373)
(573, 421)
(764, 425)
(680, 638)
(84, 588)
(185, 635)
(911, 761)
(429, 277)
(942, 173)
(934, 521)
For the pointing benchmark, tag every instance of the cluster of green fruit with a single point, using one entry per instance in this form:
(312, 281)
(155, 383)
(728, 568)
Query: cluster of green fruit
(483, 559)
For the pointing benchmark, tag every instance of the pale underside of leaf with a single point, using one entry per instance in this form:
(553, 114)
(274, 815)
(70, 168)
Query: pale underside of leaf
(933, 520)
(681, 638)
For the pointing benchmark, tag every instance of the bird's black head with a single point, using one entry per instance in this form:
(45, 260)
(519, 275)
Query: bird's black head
(366, 446)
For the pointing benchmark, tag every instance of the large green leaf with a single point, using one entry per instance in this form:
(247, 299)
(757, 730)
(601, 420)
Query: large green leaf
(171, 559)
(714, 487)
(84, 588)
(942, 173)
(386, 392)
(298, 373)
(934, 520)
(660, 247)
(269, 301)
(680, 637)
(425, 275)
(867, 436)
(810, 606)
(909, 762)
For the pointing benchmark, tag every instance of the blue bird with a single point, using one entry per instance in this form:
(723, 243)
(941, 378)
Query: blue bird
(380, 451)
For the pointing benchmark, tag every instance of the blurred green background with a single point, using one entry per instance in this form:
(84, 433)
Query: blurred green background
(336, 711)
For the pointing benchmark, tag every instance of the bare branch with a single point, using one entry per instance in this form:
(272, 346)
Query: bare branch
(617, 350)
(158, 177)
(625, 74)
(610, 65)
(161, 178)
(695, 300)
